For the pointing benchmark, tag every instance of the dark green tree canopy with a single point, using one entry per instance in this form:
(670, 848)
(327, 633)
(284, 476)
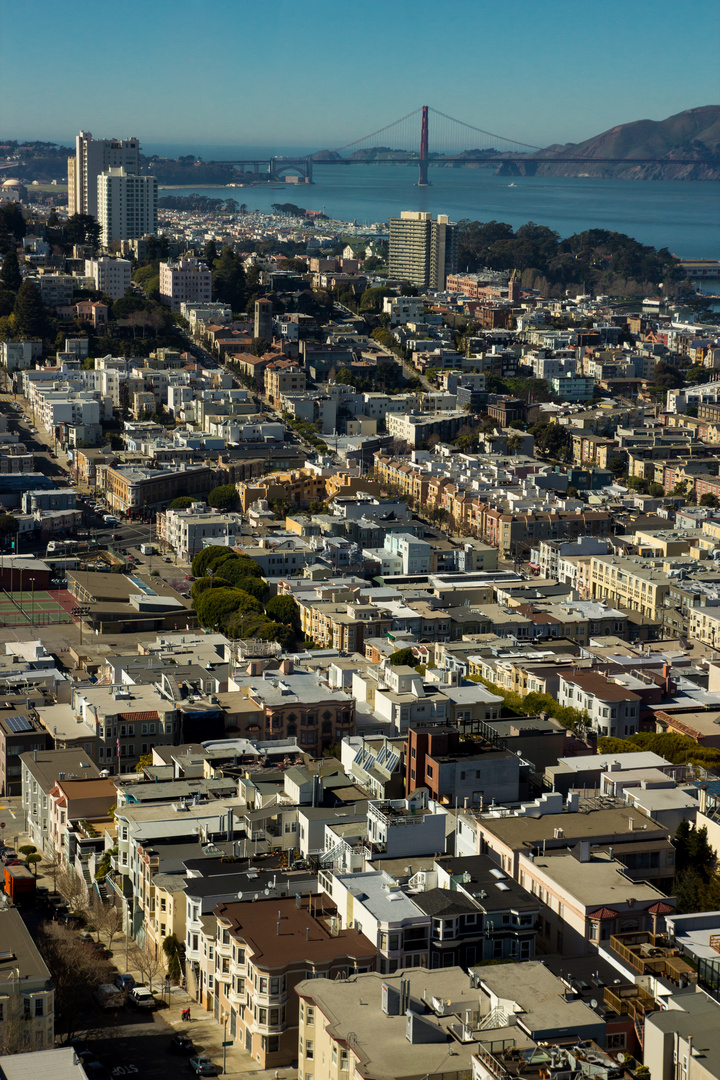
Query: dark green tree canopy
(402, 658)
(224, 497)
(283, 609)
(10, 276)
(29, 312)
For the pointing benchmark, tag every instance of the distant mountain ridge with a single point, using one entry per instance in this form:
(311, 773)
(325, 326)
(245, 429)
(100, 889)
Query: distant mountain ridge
(694, 134)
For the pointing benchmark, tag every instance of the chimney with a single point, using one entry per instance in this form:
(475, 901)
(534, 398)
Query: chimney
(287, 667)
(631, 824)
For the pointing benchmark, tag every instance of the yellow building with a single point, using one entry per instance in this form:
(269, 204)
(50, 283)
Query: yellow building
(635, 584)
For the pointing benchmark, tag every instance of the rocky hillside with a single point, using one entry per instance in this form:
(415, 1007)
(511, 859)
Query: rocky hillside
(693, 134)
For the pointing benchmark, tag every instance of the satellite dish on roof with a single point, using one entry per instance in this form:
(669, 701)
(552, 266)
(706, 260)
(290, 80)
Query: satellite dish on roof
(239, 896)
(593, 1004)
(267, 892)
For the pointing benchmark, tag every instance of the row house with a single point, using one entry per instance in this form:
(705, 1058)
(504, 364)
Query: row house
(262, 951)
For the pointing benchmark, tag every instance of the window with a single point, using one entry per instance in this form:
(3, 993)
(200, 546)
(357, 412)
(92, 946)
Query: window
(310, 1049)
(343, 1059)
(310, 1014)
(39, 1004)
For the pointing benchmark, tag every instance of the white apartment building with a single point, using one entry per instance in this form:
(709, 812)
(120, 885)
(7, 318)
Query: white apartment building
(93, 157)
(186, 530)
(111, 276)
(126, 205)
(611, 708)
(184, 281)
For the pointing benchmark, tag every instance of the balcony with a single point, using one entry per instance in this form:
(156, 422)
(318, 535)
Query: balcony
(628, 999)
(651, 954)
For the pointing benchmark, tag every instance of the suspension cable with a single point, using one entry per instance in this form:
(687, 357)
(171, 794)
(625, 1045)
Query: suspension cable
(481, 130)
(378, 132)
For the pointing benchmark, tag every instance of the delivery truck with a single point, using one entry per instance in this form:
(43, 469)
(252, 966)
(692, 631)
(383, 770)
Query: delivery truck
(20, 884)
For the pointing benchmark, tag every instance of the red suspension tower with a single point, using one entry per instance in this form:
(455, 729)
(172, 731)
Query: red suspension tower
(423, 180)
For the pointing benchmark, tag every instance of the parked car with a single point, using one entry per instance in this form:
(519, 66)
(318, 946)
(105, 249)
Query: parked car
(124, 982)
(95, 1070)
(141, 998)
(203, 1066)
(101, 950)
(181, 1044)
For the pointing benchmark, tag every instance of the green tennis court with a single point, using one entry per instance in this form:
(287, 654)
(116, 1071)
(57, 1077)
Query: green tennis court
(21, 608)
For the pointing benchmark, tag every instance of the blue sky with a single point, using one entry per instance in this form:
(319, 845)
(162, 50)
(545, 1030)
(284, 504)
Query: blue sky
(317, 74)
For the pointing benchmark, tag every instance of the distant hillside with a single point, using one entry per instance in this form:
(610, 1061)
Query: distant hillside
(694, 134)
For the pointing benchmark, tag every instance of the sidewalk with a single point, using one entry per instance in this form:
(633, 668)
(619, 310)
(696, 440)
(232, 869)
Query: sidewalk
(207, 1034)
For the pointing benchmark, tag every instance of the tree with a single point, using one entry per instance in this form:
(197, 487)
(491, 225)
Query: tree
(172, 949)
(107, 919)
(148, 965)
(181, 503)
(73, 888)
(402, 658)
(215, 605)
(204, 558)
(708, 499)
(8, 527)
(10, 275)
(656, 490)
(82, 229)
(210, 581)
(229, 285)
(29, 313)
(223, 497)
(210, 253)
(76, 971)
(283, 609)
(27, 849)
(32, 860)
(53, 865)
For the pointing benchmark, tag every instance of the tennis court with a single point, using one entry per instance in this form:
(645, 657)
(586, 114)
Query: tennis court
(31, 608)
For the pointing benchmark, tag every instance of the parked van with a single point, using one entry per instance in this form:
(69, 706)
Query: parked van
(109, 997)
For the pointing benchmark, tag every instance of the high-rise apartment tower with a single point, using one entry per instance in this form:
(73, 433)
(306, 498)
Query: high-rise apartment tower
(421, 250)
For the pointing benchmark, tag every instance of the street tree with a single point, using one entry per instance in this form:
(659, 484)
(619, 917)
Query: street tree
(75, 970)
(147, 964)
(107, 919)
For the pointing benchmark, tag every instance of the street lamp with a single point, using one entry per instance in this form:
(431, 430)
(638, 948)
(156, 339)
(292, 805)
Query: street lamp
(225, 1024)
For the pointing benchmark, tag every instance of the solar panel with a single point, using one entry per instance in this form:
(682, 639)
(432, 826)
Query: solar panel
(18, 724)
(391, 762)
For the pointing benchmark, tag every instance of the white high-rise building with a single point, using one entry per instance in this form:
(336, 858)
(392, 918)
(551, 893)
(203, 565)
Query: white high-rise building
(92, 157)
(126, 205)
(111, 276)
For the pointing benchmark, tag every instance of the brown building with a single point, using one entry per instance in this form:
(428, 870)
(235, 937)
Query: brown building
(129, 489)
(263, 950)
(507, 409)
(300, 706)
(283, 377)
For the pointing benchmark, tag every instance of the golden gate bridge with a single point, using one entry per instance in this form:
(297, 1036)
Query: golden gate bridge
(412, 146)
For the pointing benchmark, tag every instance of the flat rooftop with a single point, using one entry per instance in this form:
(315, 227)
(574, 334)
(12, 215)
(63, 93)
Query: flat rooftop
(598, 881)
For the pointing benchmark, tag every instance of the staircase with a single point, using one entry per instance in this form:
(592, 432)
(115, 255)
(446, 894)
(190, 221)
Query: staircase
(329, 856)
(101, 890)
(496, 1019)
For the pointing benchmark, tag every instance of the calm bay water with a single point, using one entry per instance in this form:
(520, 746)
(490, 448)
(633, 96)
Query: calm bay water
(684, 217)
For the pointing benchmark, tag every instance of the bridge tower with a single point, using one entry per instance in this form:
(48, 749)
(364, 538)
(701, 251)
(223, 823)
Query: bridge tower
(423, 180)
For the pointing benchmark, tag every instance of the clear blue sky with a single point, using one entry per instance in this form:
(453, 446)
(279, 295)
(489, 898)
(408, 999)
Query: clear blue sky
(318, 74)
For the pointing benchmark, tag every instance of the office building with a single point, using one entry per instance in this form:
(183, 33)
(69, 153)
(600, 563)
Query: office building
(93, 157)
(422, 251)
(126, 205)
(184, 281)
